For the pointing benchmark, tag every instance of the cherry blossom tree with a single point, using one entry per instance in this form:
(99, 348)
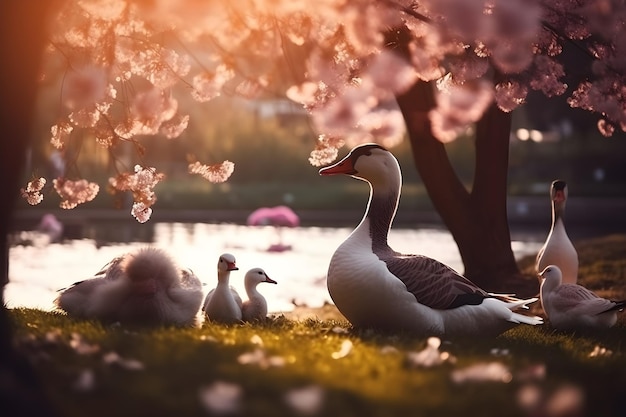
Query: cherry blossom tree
(365, 71)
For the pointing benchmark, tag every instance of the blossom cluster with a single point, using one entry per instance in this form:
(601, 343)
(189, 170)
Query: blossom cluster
(214, 173)
(73, 193)
(120, 60)
(141, 184)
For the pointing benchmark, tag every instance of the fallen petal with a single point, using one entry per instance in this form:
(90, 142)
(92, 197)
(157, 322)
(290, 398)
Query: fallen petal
(86, 381)
(307, 400)
(221, 397)
(346, 348)
(482, 372)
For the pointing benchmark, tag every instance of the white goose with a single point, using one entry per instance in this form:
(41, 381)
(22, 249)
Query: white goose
(558, 249)
(140, 288)
(223, 304)
(374, 286)
(572, 306)
(255, 307)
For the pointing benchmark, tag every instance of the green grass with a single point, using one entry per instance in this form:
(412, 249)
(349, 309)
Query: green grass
(375, 378)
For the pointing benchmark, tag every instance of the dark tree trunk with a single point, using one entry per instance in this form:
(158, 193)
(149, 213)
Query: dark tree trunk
(477, 219)
(22, 37)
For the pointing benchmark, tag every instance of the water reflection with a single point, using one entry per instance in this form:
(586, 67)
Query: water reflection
(37, 272)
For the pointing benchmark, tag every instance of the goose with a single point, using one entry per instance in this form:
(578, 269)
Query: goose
(144, 287)
(558, 249)
(374, 286)
(572, 306)
(223, 304)
(255, 307)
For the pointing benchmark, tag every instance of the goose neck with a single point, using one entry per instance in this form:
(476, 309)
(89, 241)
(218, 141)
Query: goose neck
(381, 211)
(558, 211)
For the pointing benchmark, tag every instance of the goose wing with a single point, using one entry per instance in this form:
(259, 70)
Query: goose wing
(580, 300)
(433, 283)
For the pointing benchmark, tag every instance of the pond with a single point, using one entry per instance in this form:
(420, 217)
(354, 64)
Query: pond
(38, 271)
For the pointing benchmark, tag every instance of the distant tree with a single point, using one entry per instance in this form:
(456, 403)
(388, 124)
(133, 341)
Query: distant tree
(451, 65)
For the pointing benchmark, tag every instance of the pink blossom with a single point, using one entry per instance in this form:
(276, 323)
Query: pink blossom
(60, 134)
(304, 93)
(141, 211)
(426, 62)
(458, 106)
(547, 75)
(465, 18)
(383, 126)
(214, 173)
(103, 9)
(207, 86)
(346, 110)
(391, 72)
(175, 126)
(326, 150)
(509, 95)
(84, 87)
(73, 193)
(607, 129)
(32, 192)
(142, 184)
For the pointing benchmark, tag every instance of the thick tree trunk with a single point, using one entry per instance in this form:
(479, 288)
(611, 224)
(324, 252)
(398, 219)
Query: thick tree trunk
(477, 219)
(22, 37)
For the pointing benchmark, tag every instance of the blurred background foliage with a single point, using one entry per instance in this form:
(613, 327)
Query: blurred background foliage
(270, 141)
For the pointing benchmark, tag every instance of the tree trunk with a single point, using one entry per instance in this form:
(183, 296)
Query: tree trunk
(477, 219)
(22, 39)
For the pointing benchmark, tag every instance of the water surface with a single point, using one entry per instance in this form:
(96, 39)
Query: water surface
(37, 272)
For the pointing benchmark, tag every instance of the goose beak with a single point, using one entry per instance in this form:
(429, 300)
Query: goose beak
(345, 166)
(270, 280)
(231, 266)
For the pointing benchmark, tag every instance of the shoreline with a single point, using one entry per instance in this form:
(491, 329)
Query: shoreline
(521, 210)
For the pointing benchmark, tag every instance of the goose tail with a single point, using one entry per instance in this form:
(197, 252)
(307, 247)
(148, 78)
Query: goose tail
(514, 303)
(520, 318)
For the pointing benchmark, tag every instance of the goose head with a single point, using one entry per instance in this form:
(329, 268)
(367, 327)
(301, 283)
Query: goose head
(256, 276)
(558, 195)
(551, 274)
(371, 163)
(225, 264)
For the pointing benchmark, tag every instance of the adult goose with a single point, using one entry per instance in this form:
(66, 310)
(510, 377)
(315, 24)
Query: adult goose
(223, 304)
(255, 307)
(558, 249)
(374, 286)
(572, 306)
(144, 287)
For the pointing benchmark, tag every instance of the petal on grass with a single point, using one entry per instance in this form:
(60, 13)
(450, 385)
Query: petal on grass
(221, 397)
(307, 400)
(346, 348)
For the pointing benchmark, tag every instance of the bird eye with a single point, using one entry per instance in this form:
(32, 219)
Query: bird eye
(260, 273)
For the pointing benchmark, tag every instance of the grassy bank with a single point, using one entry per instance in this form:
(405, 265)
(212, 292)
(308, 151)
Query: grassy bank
(312, 363)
